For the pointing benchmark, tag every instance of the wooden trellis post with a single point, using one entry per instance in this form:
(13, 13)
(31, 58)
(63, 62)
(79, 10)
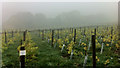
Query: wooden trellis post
(119, 23)
(52, 37)
(5, 37)
(24, 35)
(119, 26)
(95, 32)
(84, 31)
(111, 32)
(21, 42)
(42, 34)
(58, 34)
(72, 30)
(94, 51)
(74, 35)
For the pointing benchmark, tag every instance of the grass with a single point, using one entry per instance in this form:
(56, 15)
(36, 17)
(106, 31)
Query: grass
(47, 56)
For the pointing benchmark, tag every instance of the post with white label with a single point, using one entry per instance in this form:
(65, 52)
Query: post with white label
(22, 57)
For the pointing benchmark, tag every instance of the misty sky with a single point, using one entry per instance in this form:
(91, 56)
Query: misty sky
(53, 9)
(90, 13)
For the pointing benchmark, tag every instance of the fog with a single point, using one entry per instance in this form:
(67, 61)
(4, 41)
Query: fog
(42, 15)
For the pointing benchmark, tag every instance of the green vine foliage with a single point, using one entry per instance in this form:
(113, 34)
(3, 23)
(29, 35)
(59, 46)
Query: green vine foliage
(30, 48)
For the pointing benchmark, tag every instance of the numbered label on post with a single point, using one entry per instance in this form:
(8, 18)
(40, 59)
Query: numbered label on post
(22, 52)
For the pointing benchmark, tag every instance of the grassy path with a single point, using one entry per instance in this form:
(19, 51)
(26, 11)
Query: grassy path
(49, 56)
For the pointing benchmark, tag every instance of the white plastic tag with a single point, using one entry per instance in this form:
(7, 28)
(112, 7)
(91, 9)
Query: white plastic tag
(22, 52)
(85, 61)
(89, 46)
(62, 47)
(102, 48)
(71, 54)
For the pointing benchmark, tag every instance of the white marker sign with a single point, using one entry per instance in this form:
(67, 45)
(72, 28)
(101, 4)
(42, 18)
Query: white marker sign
(22, 52)
(89, 46)
(62, 47)
(71, 55)
(85, 61)
(102, 48)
